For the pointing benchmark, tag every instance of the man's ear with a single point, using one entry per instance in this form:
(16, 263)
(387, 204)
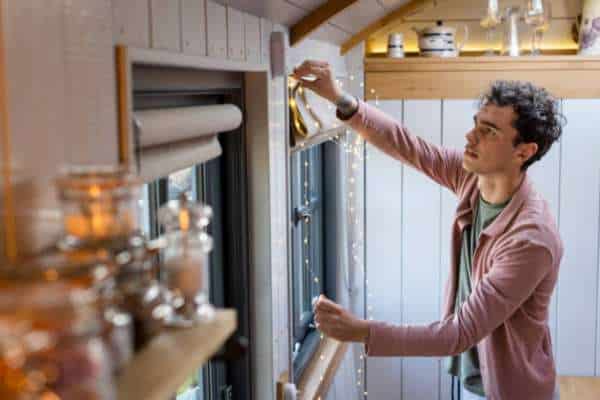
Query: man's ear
(526, 150)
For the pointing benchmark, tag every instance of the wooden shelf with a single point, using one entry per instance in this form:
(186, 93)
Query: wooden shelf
(162, 367)
(565, 76)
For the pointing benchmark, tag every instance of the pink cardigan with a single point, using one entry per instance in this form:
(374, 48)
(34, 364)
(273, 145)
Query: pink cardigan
(515, 269)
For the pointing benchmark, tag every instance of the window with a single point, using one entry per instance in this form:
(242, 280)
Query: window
(313, 268)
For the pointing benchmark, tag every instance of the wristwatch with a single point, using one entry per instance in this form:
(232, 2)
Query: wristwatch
(347, 105)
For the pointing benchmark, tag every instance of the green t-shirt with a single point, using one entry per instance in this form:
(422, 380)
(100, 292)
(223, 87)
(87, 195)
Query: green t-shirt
(466, 365)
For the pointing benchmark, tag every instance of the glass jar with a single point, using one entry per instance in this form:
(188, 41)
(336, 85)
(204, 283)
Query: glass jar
(99, 204)
(138, 289)
(185, 273)
(50, 343)
(85, 269)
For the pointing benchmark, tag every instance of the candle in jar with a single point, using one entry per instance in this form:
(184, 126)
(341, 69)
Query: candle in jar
(184, 272)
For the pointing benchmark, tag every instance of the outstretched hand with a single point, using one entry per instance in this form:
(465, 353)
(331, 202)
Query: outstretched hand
(324, 85)
(336, 322)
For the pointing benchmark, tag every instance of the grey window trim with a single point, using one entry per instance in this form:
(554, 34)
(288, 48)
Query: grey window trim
(324, 224)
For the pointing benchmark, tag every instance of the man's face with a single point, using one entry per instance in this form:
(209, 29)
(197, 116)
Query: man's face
(490, 146)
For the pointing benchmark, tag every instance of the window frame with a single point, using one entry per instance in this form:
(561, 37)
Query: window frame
(324, 173)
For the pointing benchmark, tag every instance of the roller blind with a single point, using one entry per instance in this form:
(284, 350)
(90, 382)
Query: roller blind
(171, 139)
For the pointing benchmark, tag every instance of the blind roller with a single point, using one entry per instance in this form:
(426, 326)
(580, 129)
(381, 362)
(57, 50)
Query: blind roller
(171, 139)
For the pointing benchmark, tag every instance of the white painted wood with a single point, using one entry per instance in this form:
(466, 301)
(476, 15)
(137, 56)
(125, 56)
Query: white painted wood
(421, 250)
(358, 15)
(169, 59)
(216, 30)
(545, 174)
(131, 22)
(330, 33)
(61, 95)
(384, 255)
(279, 11)
(266, 27)
(577, 334)
(252, 38)
(165, 25)
(457, 120)
(193, 26)
(235, 34)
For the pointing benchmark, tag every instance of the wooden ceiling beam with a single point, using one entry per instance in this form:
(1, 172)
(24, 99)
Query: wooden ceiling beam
(401, 12)
(317, 18)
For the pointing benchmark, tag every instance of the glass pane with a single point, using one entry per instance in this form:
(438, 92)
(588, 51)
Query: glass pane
(144, 214)
(183, 181)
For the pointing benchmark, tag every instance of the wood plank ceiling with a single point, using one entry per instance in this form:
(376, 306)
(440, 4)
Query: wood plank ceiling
(338, 29)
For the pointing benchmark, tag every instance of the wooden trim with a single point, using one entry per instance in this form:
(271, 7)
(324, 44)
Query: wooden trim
(468, 77)
(166, 362)
(579, 388)
(321, 369)
(317, 18)
(9, 215)
(410, 8)
(123, 90)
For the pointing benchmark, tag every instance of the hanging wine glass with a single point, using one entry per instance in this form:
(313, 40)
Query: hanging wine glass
(537, 16)
(489, 22)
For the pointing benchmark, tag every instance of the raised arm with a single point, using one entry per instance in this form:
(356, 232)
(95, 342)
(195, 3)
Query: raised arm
(442, 165)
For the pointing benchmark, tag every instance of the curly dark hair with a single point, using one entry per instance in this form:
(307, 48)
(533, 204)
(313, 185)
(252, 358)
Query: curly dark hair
(538, 120)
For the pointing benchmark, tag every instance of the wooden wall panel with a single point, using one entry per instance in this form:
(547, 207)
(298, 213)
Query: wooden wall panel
(421, 250)
(131, 22)
(384, 255)
(193, 26)
(165, 21)
(252, 38)
(577, 334)
(235, 34)
(216, 30)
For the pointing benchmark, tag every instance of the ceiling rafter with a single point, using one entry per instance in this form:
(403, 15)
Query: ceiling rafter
(400, 13)
(317, 18)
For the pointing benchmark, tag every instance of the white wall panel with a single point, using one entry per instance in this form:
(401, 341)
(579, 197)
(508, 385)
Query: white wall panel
(193, 26)
(266, 27)
(165, 25)
(216, 30)
(577, 334)
(421, 250)
(384, 255)
(131, 22)
(252, 38)
(457, 120)
(235, 34)
(545, 175)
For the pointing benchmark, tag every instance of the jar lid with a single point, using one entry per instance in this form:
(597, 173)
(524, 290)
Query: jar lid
(184, 215)
(96, 182)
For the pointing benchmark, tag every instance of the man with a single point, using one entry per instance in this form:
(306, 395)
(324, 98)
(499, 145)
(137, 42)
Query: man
(506, 249)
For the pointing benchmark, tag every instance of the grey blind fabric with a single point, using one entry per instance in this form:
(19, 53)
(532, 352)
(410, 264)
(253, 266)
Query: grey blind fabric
(156, 162)
(174, 138)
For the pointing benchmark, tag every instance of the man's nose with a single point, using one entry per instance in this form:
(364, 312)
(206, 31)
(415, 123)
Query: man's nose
(471, 137)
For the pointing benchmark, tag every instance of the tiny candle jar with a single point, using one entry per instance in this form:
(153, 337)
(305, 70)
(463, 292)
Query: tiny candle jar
(98, 203)
(185, 273)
